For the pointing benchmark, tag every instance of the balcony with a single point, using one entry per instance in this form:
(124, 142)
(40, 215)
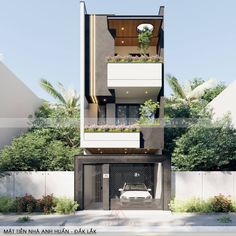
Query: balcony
(123, 136)
(107, 136)
(134, 72)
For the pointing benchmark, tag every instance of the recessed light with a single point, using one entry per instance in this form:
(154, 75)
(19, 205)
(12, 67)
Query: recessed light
(122, 28)
(104, 100)
(146, 92)
(122, 41)
(127, 92)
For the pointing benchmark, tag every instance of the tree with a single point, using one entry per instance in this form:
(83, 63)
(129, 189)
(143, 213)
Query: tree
(68, 98)
(144, 39)
(188, 93)
(50, 144)
(181, 109)
(207, 147)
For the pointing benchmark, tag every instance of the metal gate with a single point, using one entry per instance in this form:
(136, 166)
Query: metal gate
(93, 186)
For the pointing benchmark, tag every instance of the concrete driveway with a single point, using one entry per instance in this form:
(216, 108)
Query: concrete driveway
(133, 221)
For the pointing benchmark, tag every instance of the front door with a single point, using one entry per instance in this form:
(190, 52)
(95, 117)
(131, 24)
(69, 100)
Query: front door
(93, 186)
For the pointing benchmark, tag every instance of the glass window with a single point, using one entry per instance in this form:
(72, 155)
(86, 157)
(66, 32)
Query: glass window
(127, 114)
(101, 114)
(121, 114)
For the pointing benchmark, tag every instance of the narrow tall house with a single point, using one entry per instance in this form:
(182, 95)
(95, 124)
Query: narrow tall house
(121, 92)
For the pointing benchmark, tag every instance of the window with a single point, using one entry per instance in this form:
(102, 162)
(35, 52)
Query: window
(101, 114)
(127, 114)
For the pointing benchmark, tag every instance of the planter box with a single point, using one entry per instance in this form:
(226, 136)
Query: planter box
(111, 140)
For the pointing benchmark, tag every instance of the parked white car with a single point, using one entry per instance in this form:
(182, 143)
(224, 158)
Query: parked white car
(135, 193)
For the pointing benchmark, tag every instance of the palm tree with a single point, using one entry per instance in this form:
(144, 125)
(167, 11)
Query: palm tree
(68, 98)
(187, 94)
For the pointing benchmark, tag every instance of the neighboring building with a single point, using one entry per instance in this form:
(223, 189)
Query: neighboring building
(17, 102)
(223, 104)
(111, 95)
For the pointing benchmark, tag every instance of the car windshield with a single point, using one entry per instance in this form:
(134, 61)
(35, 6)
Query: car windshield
(135, 187)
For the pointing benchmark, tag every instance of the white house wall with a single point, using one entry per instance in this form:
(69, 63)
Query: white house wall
(224, 104)
(17, 101)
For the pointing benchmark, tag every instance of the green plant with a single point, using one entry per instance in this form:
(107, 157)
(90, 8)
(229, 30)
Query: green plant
(65, 205)
(68, 98)
(224, 219)
(7, 204)
(45, 146)
(26, 203)
(191, 205)
(46, 204)
(221, 203)
(206, 147)
(23, 219)
(144, 39)
(147, 112)
(136, 59)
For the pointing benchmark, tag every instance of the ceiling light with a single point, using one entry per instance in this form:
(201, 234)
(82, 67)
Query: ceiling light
(122, 41)
(122, 28)
(127, 92)
(146, 92)
(104, 100)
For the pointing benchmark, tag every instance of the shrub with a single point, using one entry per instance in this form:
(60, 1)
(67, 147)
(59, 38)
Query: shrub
(23, 219)
(221, 203)
(8, 204)
(218, 203)
(46, 204)
(26, 203)
(191, 205)
(65, 205)
(132, 59)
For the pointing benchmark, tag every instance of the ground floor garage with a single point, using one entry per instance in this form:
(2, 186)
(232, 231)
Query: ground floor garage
(122, 182)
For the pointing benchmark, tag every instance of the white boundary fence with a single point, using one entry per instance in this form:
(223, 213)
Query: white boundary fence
(61, 183)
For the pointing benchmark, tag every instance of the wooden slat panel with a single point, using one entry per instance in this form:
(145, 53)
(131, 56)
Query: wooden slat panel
(132, 41)
(121, 151)
(130, 27)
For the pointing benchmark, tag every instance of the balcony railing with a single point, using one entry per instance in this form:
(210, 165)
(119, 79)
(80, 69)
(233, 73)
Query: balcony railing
(140, 135)
(134, 72)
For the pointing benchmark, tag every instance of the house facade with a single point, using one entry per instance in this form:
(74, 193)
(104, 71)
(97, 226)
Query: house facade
(17, 103)
(123, 166)
(222, 104)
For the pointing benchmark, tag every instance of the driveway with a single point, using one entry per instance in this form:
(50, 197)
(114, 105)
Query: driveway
(131, 221)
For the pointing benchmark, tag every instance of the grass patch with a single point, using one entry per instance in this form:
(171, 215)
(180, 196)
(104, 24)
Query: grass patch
(23, 219)
(224, 219)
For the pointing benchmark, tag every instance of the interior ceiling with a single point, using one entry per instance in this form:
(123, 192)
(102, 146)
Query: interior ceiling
(144, 93)
(121, 151)
(126, 31)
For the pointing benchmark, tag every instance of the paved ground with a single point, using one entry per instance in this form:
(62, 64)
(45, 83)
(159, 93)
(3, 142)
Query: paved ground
(127, 219)
(120, 218)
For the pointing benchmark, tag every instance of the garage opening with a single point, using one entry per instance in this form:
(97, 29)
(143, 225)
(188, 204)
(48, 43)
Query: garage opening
(134, 186)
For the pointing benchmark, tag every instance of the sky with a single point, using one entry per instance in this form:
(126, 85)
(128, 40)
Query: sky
(40, 38)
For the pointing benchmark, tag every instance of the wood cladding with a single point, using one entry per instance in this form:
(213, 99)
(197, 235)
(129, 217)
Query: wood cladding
(121, 151)
(126, 31)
